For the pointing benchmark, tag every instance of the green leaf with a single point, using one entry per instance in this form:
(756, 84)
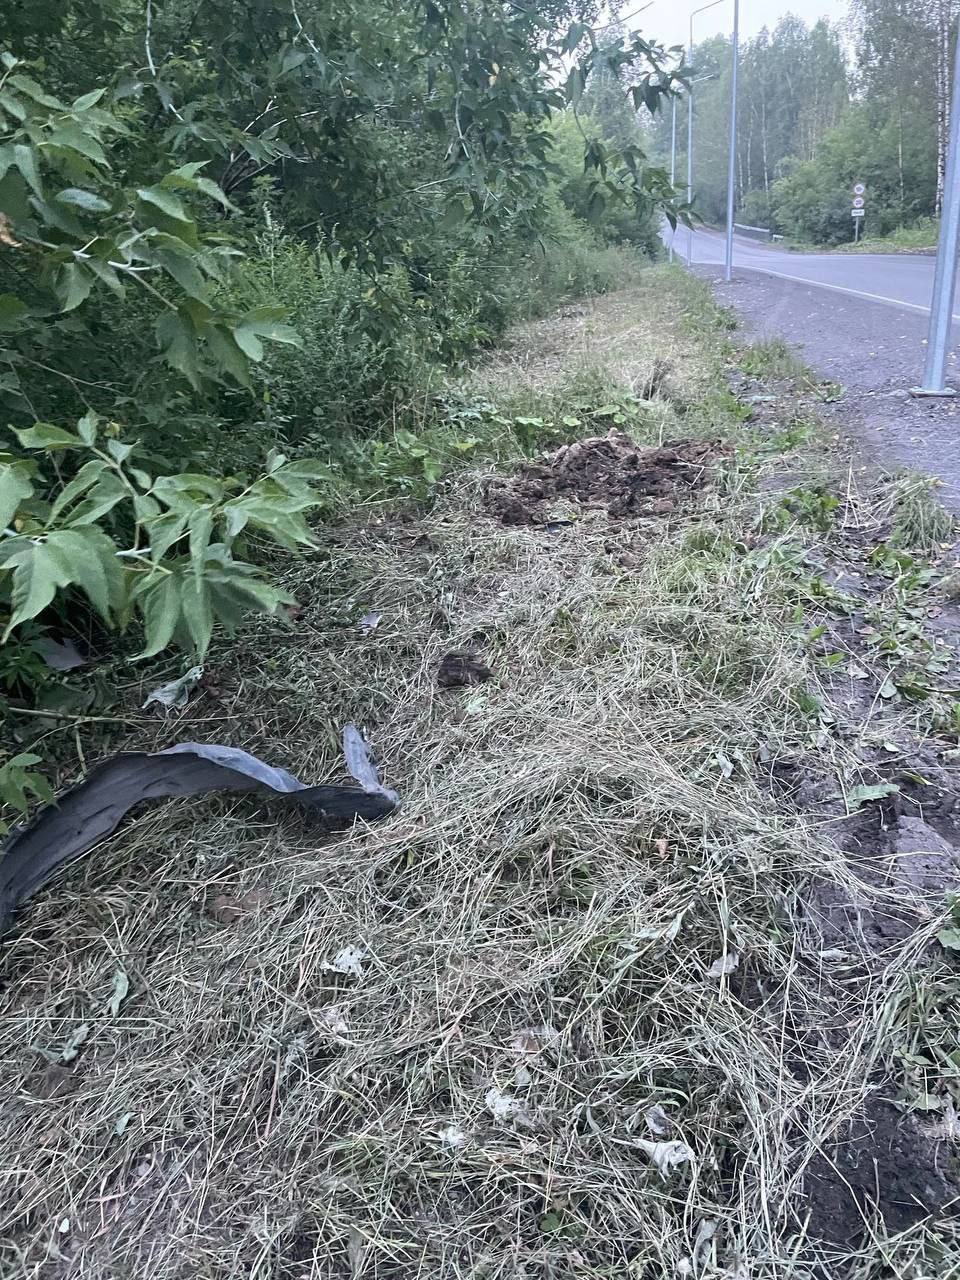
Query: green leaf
(69, 135)
(26, 162)
(11, 312)
(72, 285)
(87, 100)
(165, 202)
(201, 527)
(160, 608)
(197, 612)
(81, 199)
(86, 477)
(88, 558)
(178, 340)
(87, 427)
(949, 938)
(37, 576)
(44, 435)
(103, 497)
(14, 487)
(185, 273)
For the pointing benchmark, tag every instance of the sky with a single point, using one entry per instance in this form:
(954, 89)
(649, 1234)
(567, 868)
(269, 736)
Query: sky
(669, 20)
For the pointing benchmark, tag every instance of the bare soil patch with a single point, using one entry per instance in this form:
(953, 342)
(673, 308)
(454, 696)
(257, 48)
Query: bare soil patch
(610, 472)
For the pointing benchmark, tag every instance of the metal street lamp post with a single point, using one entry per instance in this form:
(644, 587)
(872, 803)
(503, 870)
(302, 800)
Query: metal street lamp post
(732, 157)
(945, 275)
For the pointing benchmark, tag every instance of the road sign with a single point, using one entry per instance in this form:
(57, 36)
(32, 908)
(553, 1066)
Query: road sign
(858, 213)
(859, 189)
(858, 202)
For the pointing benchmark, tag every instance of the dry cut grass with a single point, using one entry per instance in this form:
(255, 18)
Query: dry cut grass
(582, 1030)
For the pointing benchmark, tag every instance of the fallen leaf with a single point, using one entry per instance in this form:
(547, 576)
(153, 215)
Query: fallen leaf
(348, 962)
(175, 694)
(723, 965)
(857, 796)
(369, 622)
(75, 1043)
(667, 1156)
(120, 1127)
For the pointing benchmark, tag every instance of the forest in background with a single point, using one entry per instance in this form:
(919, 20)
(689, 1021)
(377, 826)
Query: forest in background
(821, 108)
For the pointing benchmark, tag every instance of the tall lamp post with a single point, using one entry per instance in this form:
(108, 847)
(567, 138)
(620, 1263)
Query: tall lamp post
(945, 275)
(703, 8)
(732, 157)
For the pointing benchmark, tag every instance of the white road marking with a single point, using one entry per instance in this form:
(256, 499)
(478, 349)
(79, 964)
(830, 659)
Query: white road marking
(837, 288)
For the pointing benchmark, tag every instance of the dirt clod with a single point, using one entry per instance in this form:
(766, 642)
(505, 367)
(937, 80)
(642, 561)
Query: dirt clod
(460, 668)
(610, 472)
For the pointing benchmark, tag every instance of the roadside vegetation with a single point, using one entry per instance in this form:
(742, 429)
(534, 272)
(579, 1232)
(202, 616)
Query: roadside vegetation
(626, 987)
(654, 971)
(226, 310)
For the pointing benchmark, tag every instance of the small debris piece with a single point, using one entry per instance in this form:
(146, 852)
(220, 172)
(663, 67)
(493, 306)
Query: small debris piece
(360, 764)
(332, 1019)
(609, 472)
(658, 1122)
(724, 965)
(532, 1041)
(348, 961)
(60, 655)
(175, 694)
(453, 1136)
(505, 1108)
(666, 1155)
(369, 622)
(461, 668)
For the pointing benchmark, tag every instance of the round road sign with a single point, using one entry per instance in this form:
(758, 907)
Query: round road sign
(858, 202)
(858, 189)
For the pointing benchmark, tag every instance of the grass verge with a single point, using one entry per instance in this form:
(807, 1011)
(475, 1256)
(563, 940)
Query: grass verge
(570, 1012)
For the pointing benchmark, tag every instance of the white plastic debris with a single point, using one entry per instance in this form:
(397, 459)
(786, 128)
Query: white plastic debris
(332, 1019)
(666, 1155)
(504, 1108)
(453, 1136)
(348, 961)
(175, 694)
(723, 965)
(658, 1122)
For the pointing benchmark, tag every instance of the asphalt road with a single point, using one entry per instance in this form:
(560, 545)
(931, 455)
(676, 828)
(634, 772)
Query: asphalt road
(900, 280)
(861, 321)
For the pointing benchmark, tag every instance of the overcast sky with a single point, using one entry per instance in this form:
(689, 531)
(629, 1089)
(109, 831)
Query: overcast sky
(669, 20)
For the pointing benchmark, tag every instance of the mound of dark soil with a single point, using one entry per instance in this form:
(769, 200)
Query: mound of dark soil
(609, 472)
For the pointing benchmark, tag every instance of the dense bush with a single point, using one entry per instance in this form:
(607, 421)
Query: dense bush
(265, 243)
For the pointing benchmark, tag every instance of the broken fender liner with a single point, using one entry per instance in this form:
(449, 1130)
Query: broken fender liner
(94, 808)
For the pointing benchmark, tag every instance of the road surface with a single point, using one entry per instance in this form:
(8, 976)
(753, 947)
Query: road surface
(860, 320)
(902, 280)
